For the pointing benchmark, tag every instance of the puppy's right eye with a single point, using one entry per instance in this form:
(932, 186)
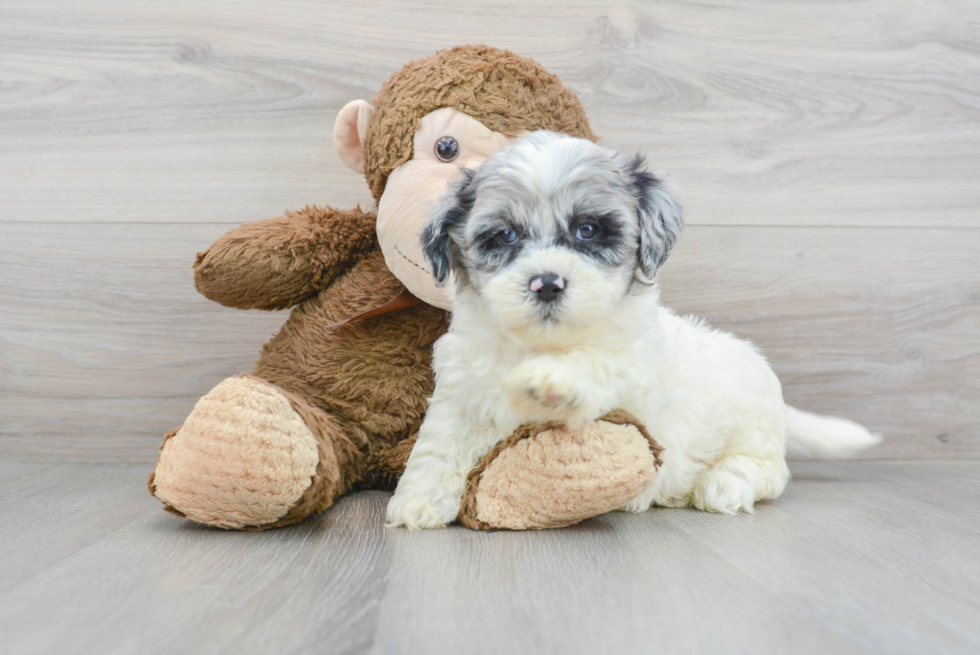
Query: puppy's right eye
(587, 232)
(507, 237)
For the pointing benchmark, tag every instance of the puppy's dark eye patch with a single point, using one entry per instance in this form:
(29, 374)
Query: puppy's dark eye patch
(496, 247)
(599, 236)
(499, 236)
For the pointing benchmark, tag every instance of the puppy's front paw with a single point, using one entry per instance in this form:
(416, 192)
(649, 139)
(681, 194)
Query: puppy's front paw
(417, 511)
(549, 389)
(639, 504)
(542, 383)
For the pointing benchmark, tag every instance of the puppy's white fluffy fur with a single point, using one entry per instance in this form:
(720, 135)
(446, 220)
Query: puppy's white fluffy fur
(710, 399)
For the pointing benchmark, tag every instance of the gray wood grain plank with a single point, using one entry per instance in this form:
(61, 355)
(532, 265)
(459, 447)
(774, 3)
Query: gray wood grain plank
(846, 532)
(156, 583)
(856, 557)
(798, 113)
(15, 471)
(49, 515)
(105, 345)
(616, 584)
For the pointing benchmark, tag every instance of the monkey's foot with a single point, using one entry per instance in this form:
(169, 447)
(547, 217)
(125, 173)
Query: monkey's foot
(547, 476)
(243, 458)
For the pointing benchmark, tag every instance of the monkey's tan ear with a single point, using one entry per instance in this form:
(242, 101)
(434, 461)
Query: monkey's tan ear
(349, 132)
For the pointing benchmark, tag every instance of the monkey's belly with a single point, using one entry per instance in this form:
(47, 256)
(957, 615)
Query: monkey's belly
(374, 373)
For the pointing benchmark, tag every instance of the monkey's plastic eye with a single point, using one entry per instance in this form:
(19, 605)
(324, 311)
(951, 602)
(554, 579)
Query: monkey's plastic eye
(447, 148)
(587, 231)
(507, 237)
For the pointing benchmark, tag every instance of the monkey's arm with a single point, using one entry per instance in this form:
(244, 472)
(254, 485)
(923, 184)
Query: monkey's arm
(279, 262)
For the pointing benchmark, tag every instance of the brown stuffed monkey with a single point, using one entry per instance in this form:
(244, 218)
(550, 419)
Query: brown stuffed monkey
(336, 398)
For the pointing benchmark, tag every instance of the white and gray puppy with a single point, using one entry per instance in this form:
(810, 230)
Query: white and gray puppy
(554, 243)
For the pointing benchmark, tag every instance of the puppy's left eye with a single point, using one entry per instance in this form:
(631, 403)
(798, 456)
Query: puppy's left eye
(507, 237)
(587, 232)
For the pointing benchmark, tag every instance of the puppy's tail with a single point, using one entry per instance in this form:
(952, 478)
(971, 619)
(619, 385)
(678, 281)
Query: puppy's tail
(825, 437)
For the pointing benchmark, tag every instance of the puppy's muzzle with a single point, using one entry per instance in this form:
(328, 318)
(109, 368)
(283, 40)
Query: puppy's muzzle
(548, 287)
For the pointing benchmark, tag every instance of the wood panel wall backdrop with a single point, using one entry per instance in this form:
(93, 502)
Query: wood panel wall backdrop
(828, 155)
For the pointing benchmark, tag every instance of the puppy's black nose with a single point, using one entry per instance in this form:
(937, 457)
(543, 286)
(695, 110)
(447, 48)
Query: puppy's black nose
(548, 286)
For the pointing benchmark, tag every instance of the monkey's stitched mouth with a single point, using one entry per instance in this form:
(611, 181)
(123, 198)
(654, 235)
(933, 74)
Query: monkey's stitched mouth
(411, 261)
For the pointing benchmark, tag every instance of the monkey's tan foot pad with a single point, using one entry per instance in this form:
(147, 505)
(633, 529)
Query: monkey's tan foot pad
(547, 476)
(243, 458)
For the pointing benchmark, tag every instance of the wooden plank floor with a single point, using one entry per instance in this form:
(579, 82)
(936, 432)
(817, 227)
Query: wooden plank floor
(856, 557)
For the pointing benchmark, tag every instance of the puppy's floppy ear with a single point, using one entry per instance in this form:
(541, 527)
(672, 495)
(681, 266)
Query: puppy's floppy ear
(661, 218)
(451, 211)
